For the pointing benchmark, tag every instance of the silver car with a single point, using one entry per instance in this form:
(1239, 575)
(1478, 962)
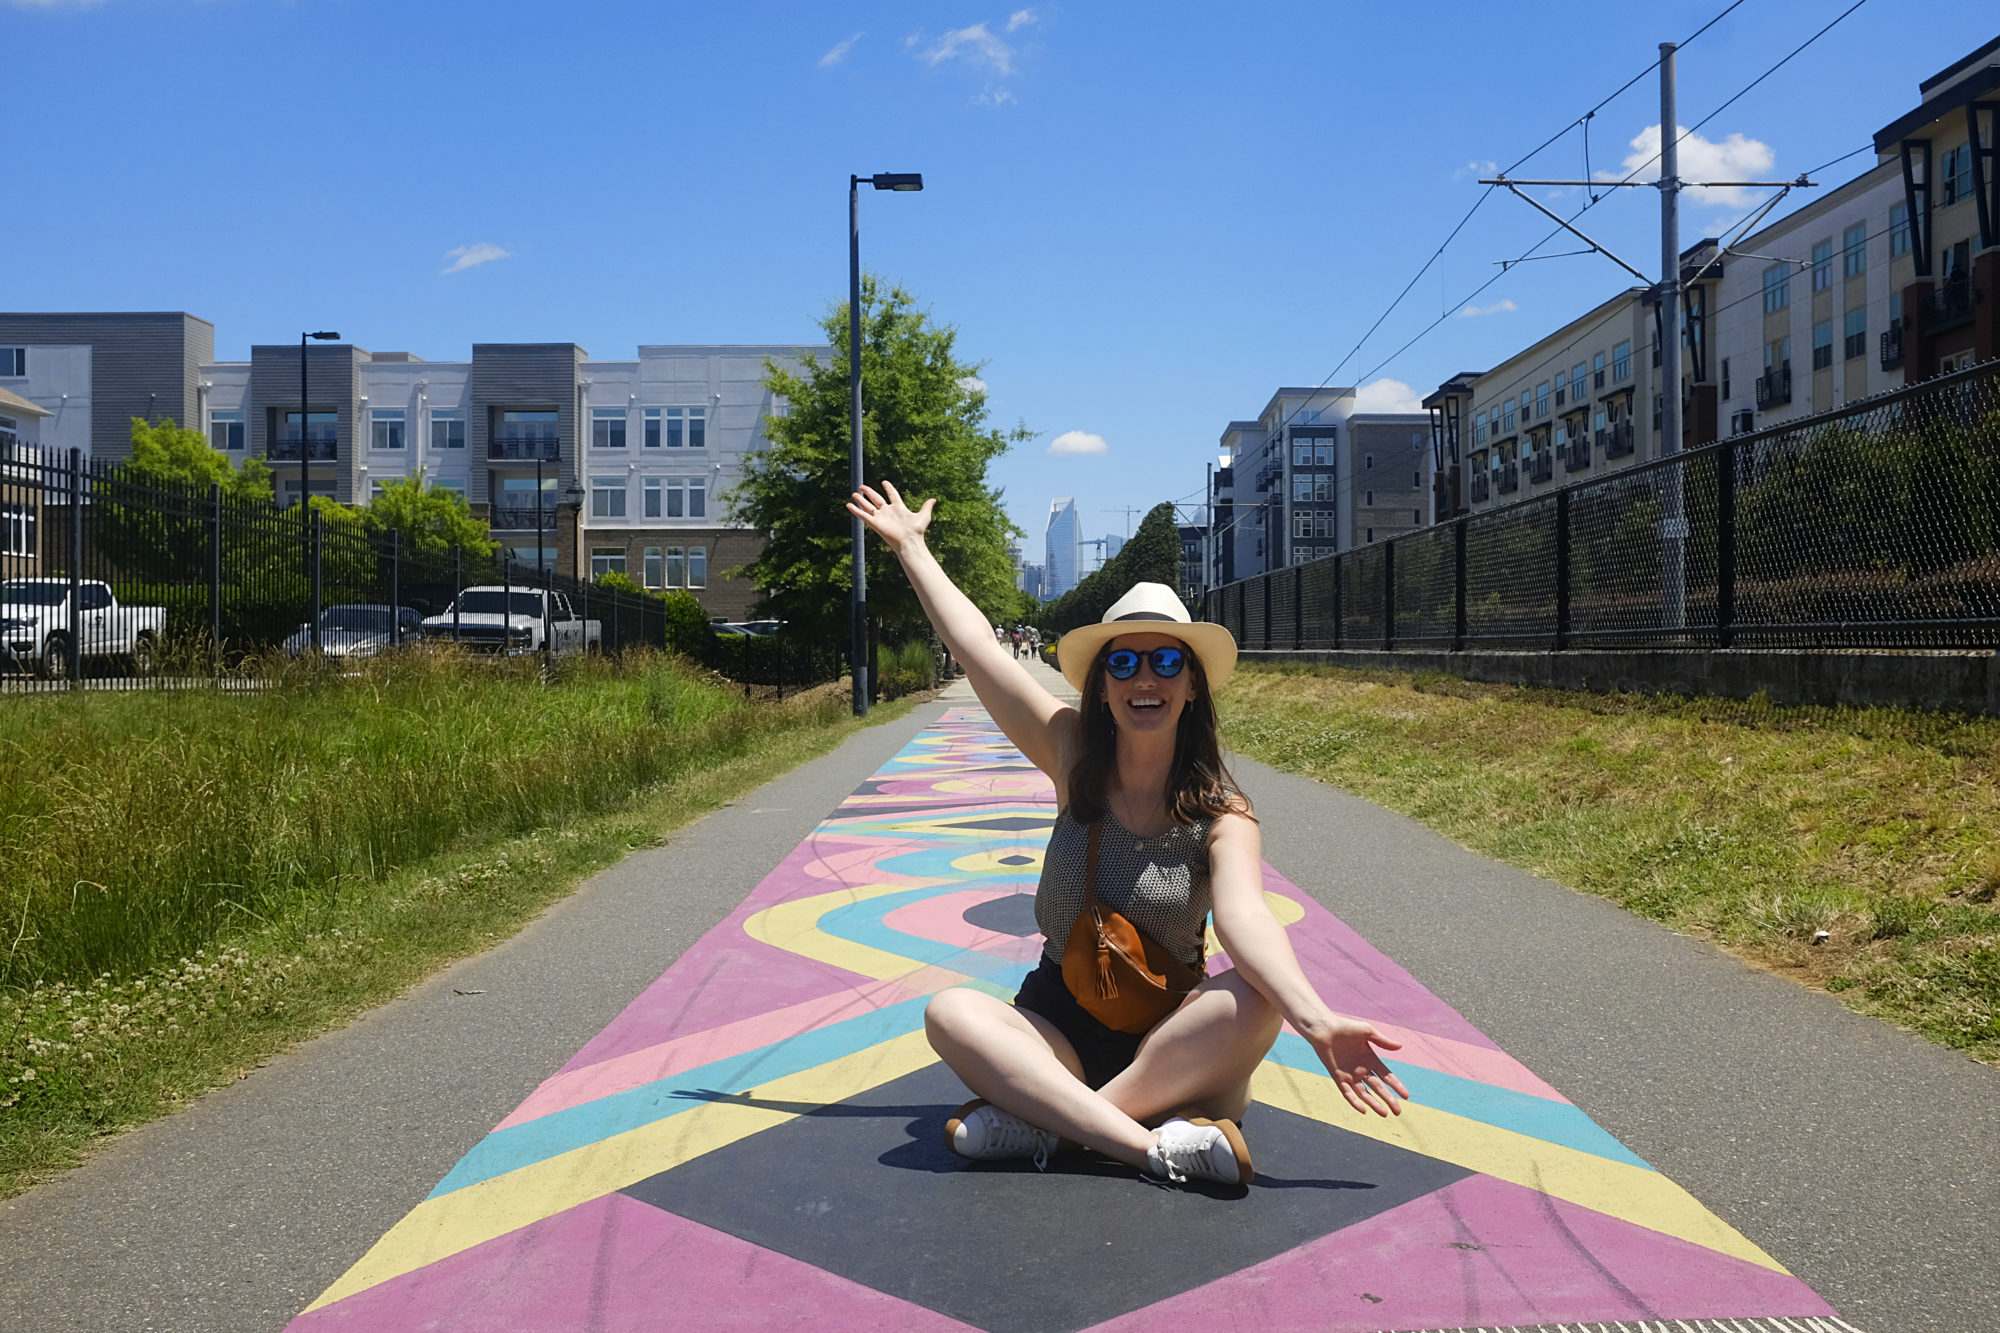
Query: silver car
(357, 629)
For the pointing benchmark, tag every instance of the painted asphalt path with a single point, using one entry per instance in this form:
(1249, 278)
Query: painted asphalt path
(1880, 1193)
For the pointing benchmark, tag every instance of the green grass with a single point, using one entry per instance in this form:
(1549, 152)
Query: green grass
(196, 882)
(1749, 824)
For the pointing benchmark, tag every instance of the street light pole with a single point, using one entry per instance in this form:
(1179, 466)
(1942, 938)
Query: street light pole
(858, 631)
(305, 473)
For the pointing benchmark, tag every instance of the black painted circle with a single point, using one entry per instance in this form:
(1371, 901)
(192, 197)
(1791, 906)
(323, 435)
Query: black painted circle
(1011, 915)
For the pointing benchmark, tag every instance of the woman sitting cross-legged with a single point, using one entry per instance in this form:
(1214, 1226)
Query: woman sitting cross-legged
(1117, 1042)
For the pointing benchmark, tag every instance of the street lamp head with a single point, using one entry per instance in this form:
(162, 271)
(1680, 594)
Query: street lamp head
(323, 337)
(897, 180)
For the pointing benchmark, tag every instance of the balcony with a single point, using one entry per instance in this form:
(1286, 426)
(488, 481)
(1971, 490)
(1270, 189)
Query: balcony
(1615, 440)
(1774, 387)
(524, 444)
(1508, 480)
(1578, 456)
(1482, 486)
(1892, 345)
(1541, 466)
(514, 519)
(320, 446)
(1948, 305)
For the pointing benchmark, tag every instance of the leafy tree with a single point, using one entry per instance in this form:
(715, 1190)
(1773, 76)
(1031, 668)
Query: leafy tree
(150, 520)
(430, 520)
(925, 431)
(1152, 556)
(175, 455)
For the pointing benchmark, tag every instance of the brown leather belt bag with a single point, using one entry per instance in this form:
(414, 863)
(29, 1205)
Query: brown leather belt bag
(1121, 978)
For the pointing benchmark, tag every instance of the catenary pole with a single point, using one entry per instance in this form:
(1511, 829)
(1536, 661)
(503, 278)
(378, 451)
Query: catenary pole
(857, 640)
(1673, 518)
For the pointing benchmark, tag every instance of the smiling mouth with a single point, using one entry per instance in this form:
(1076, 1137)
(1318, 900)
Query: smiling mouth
(1144, 702)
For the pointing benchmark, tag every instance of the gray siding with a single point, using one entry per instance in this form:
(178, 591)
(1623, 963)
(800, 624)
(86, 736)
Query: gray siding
(333, 375)
(142, 364)
(523, 375)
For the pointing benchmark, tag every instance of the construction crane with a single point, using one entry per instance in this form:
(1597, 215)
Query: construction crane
(1128, 511)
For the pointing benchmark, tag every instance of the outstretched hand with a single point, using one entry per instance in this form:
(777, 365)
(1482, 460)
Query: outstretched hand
(1346, 1046)
(891, 519)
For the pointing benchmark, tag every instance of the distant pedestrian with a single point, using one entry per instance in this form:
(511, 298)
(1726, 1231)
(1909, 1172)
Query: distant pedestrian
(1118, 1041)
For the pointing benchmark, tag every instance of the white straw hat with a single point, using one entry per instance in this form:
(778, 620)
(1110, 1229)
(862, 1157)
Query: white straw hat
(1149, 608)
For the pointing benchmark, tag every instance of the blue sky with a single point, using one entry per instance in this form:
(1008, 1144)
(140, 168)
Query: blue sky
(1141, 218)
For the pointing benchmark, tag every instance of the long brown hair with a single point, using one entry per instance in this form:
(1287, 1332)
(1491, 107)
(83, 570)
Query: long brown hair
(1199, 785)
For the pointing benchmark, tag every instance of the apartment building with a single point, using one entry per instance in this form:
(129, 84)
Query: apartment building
(584, 466)
(1194, 550)
(1309, 476)
(90, 374)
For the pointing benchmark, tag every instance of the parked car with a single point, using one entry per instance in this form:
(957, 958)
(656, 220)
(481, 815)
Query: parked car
(505, 620)
(36, 622)
(753, 627)
(358, 629)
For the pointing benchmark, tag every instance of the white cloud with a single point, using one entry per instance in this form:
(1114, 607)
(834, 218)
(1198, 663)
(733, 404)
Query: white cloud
(972, 384)
(994, 95)
(1497, 308)
(1021, 18)
(1476, 169)
(482, 252)
(975, 45)
(1387, 395)
(839, 52)
(1734, 158)
(1078, 442)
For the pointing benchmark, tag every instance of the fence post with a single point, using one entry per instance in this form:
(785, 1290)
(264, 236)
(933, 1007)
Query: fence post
(781, 667)
(457, 585)
(1339, 602)
(1270, 577)
(1562, 570)
(1725, 546)
(395, 587)
(1389, 595)
(316, 553)
(1458, 585)
(74, 648)
(215, 579)
(1298, 607)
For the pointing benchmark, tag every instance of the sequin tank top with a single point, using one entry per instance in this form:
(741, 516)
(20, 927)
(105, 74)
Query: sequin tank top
(1160, 885)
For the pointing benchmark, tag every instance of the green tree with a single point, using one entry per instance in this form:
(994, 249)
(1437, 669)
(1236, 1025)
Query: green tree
(1152, 556)
(430, 520)
(925, 430)
(149, 520)
(166, 453)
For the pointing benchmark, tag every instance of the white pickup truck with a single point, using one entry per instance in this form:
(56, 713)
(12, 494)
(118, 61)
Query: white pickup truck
(510, 621)
(37, 620)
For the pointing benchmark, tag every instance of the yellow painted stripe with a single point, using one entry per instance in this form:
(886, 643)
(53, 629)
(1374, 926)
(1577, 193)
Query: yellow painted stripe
(1287, 910)
(453, 1223)
(794, 927)
(1618, 1189)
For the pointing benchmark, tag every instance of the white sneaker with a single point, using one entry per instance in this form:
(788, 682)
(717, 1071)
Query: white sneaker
(1201, 1150)
(985, 1133)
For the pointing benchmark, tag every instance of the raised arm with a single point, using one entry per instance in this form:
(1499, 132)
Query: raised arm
(1038, 723)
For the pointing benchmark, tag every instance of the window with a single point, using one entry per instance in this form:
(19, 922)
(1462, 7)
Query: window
(1302, 487)
(1777, 288)
(1527, 405)
(1955, 361)
(1895, 310)
(1778, 355)
(1416, 516)
(606, 560)
(1742, 423)
(1371, 535)
(1302, 524)
(1323, 453)
(687, 497)
(651, 566)
(375, 489)
(1576, 389)
(385, 428)
(651, 438)
(1507, 415)
(686, 427)
(1323, 487)
(9, 439)
(1562, 383)
(1371, 497)
(1899, 230)
(1368, 461)
(607, 497)
(1854, 250)
(1823, 345)
(1309, 416)
(1416, 480)
(1542, 399)
(13, 362)
(1856, 331)
(17, 529)
(1302, 453)
(652, 506)
(1725, 379)
(1597, 370)
(1621, 360)
(542, 557)
(697, 566)
(607, 428)
(447, 428)
(676, 575)
(1479, 429)
(1302, 555)
(225, 431)
(1955, 174)
(455, 487)
(1822, 265)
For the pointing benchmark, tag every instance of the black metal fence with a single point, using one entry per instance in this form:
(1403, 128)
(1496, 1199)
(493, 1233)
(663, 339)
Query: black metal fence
(113, 578)
(1872, 526)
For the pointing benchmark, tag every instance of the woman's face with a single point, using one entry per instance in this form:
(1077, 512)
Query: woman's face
(1147, 701)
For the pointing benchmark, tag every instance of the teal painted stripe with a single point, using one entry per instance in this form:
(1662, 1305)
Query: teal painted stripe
(862, 923)
(1502, 1108)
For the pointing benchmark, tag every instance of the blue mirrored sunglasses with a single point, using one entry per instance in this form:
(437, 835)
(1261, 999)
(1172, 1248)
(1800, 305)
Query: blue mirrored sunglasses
(1123, 663)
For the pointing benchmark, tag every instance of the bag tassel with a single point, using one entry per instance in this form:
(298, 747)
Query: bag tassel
(1107, 982)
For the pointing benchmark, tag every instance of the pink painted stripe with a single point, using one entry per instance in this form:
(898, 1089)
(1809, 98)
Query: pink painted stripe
(1477, 1063)
(943, 919)
(577, 1086)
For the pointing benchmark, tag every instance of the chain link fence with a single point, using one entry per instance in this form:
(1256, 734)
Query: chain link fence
(1873, 526)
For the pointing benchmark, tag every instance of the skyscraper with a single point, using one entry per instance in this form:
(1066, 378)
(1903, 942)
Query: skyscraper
(1064, 534)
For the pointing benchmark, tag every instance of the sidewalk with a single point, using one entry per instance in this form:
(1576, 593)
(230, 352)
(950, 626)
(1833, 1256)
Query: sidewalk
(753, 1140)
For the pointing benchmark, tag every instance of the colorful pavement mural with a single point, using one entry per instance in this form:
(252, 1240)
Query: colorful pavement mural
(756, 1142)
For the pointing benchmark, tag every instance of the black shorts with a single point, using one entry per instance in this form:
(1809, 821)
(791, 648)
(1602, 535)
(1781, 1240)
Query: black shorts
(1105, 1052)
